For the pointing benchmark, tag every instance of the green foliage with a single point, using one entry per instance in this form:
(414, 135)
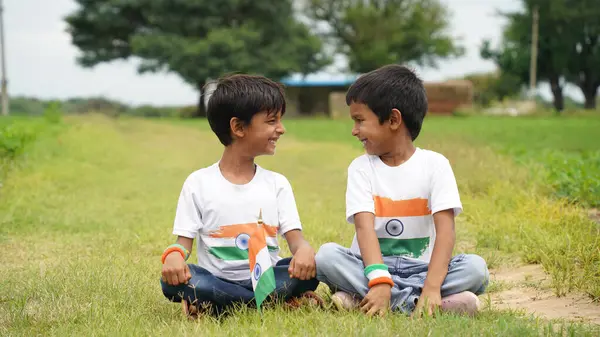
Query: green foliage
(54, 109)
(575, 176)
(199, 40)
(568, 46)
(375, 33)
(561, 150)
(491, 87)
(18, 134)
(53, 113)
(14, 137)
(31, 106)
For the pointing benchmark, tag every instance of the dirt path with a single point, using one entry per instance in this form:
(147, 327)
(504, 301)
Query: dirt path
(527, 288)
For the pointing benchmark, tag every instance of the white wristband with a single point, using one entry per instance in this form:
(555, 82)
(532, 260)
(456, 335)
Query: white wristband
(377, 273)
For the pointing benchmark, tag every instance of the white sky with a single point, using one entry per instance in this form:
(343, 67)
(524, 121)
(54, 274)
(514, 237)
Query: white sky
(40, 58)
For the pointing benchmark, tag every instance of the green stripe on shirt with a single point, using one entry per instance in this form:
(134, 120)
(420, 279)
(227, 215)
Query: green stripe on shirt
(403, 247)
(233, 253)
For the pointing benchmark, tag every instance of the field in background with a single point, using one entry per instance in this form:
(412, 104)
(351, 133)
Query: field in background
(86, 214)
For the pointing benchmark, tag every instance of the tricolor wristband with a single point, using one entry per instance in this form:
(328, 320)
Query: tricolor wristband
(185, 254)
(378, 274)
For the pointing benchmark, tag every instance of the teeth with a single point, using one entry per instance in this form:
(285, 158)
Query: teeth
(272, 142)
(364, 142)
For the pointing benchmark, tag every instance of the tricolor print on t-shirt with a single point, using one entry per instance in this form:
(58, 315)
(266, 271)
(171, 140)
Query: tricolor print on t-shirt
(230, 242)
(401, 226)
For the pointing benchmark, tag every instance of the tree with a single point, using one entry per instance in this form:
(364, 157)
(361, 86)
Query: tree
(582, 20)
(513, 57)
(197, 39)
(568, 46)
(372, 33)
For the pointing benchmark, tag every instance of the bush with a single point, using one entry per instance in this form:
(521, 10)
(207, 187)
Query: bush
(14, 137)
(575, 176)
(53, 113)
(17, 132)
(153, 111)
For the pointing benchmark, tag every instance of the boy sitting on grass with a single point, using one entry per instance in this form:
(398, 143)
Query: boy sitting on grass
(220, 205)
(402, 201)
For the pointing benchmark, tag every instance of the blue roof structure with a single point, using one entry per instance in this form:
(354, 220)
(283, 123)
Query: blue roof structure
(321, 80)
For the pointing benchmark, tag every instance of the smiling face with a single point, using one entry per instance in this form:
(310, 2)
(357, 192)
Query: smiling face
(263, 132)
(375, 137)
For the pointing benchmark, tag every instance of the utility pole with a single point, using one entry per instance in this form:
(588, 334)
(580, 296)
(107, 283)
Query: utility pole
(3, 55)
(534, 52)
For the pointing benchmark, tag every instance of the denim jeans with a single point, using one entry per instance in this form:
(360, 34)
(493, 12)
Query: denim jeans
(343, 270)
(220, 293)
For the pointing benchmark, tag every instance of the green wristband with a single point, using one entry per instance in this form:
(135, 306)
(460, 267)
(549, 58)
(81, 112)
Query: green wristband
(372, 267)
(187, 253)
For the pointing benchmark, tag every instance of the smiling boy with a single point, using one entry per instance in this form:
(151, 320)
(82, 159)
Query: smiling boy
(219, 206)
(402, 201)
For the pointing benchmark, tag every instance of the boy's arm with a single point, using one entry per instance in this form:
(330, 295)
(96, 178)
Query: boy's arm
(368, 243)
(445, 206)
(360, 210)
(442, 250)
(438, 266)
(188, 221)
(295, 240)
(378, 298)
(175, 270)
(188, 243)
(303, 264)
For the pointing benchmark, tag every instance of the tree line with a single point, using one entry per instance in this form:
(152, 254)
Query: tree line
(201, 40)
(568, 46)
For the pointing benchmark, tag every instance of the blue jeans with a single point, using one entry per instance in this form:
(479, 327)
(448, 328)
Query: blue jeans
(343, 270)
(220, 293)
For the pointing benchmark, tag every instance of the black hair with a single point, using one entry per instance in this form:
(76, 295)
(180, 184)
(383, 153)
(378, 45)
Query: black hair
(389, 87)
(242, 96)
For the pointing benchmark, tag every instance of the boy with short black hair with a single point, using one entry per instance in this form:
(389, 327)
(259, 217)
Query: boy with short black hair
(402, 201)
(220, 205)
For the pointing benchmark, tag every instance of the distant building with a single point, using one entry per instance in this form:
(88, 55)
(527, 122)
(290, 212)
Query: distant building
(312, 96)
(326, 96)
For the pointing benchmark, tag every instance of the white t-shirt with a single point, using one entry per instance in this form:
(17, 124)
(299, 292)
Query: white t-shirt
(403, 199)
(222, 215)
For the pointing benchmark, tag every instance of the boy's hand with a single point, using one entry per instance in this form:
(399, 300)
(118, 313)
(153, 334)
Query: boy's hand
(303, 265)
(429, 301)
(377, 301)
(175, 271)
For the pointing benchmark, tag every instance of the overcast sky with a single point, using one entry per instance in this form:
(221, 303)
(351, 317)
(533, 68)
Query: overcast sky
(40, 58)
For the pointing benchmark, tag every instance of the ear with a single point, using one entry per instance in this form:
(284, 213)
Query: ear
(237, 127)
(395, 119)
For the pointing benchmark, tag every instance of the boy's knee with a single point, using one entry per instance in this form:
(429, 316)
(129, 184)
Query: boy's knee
(326, 256)
(200, 285)
(172, 293)
(477, 271)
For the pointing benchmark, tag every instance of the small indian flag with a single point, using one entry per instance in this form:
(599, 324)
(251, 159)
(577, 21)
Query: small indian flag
(261, 269)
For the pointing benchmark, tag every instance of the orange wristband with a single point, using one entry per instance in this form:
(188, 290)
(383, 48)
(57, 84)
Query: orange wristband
(170, 250)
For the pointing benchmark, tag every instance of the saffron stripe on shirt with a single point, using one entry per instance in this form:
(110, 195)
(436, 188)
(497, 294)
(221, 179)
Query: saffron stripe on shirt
(231, 231)
(386, 207)
(406, 247)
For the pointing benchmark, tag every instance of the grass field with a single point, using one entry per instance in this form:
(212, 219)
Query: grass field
(85, 215)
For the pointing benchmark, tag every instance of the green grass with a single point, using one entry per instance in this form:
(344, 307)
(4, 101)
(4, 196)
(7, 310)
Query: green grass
(566, 148)
(85, 217)
(17, 133)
